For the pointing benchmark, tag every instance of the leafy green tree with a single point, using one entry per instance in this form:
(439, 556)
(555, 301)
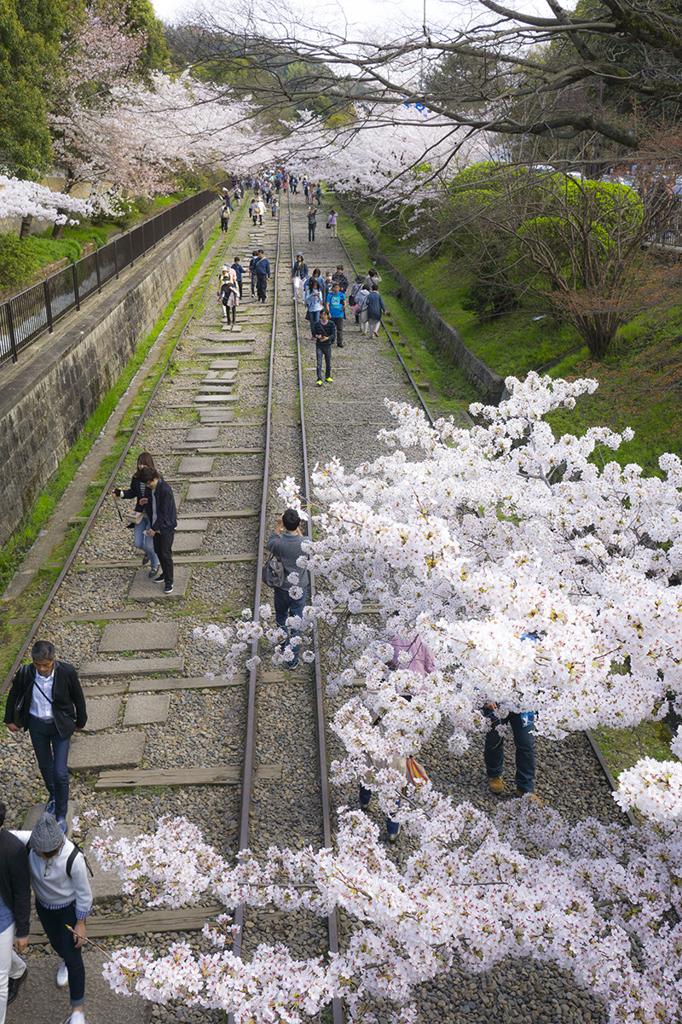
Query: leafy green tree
(30, 34)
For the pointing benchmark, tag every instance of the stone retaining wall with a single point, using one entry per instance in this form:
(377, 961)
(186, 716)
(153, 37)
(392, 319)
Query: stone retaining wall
(47, 397)
(485, 380)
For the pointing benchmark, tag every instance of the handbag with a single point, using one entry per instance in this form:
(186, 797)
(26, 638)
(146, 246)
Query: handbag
(135, 517)
(273, 570)
(328, 226)
(415, 772)
(18, 710)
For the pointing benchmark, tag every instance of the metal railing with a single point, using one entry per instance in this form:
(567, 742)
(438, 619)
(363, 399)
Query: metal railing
(32, 313)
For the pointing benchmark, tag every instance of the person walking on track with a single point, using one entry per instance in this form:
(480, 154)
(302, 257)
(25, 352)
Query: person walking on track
(324, 333)
(59, 876)
(47, 699)
(262, 271)
(15, 913)
(312, 223)
(142, 496)
(164, 519)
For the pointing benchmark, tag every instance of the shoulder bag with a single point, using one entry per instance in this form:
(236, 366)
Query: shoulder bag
(273, 570)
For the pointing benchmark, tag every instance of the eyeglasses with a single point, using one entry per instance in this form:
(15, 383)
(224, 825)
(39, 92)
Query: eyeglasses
(48, 868)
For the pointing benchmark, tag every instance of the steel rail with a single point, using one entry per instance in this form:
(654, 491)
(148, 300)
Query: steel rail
(332, 920)
(250, 741)
(107, 487)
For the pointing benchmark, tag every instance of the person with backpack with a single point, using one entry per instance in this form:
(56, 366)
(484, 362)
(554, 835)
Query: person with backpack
(224, 218)
(46, 698)
(356, 287)
(336, 307)
(229, 295)
(285, 542)
(375, 310)
(63, 901)
(239, 274)
(312, 223)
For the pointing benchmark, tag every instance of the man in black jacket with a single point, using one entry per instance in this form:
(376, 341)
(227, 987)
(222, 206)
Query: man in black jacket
(164, 520)
(262, 270)
(15, 912)
(48, 699)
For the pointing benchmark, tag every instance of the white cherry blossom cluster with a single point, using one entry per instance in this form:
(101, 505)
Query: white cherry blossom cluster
(30, 199)
(542, 575)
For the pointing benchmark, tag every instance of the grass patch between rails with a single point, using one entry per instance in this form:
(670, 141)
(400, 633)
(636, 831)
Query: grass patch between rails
(426, 362)
(29, 602)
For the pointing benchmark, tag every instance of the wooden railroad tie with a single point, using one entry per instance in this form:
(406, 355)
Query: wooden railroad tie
(224, 775)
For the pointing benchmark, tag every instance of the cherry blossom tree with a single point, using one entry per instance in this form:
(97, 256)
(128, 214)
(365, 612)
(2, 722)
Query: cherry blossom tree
(28, 199)
(483, 536)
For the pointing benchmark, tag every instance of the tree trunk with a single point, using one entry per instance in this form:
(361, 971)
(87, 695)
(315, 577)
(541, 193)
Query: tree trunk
(25, 226)
(58, 229)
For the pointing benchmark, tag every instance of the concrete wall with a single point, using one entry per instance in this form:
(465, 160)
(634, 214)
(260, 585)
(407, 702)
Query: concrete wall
(485, 380)
(46, 398)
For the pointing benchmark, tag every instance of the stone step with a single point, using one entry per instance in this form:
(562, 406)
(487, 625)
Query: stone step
(224, 364)
(217, 389)
(187, 542)
(202, 492)
(192, 464)
(216, 417)
(145, 709)
(37, 1001)
(144, 589)
(136, 636)
(130, 666)
(188, 524)
(223, 775)
(198, 434)
(95, 753)
(102, 713)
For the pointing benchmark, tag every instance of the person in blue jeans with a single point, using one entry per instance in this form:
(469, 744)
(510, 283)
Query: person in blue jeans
(522, 725)
(143, 506)
(49, 701)
(286, 543)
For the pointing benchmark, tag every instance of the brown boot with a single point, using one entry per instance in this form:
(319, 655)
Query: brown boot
(496, 785)
(534, 798)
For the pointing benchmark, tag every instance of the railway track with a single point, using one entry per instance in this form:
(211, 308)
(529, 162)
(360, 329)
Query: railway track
(230, 415)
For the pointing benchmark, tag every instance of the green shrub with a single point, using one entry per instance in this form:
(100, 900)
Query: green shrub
(17, 261)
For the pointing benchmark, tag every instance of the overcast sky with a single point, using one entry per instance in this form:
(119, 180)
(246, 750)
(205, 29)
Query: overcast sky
(367, 13)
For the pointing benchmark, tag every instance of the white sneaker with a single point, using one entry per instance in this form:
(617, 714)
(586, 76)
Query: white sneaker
(62, 976)
(77, 1017)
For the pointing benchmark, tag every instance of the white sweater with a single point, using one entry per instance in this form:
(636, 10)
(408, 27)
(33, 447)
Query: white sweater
(56, 889)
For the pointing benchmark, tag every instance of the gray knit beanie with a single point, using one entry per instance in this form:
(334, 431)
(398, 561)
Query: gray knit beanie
(47, 835)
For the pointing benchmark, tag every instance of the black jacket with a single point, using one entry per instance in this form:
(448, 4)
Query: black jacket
(166, 513)
(137, 490)
(68, 702)
(15, 881)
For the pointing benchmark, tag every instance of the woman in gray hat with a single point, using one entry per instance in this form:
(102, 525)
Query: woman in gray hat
(63, 901)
